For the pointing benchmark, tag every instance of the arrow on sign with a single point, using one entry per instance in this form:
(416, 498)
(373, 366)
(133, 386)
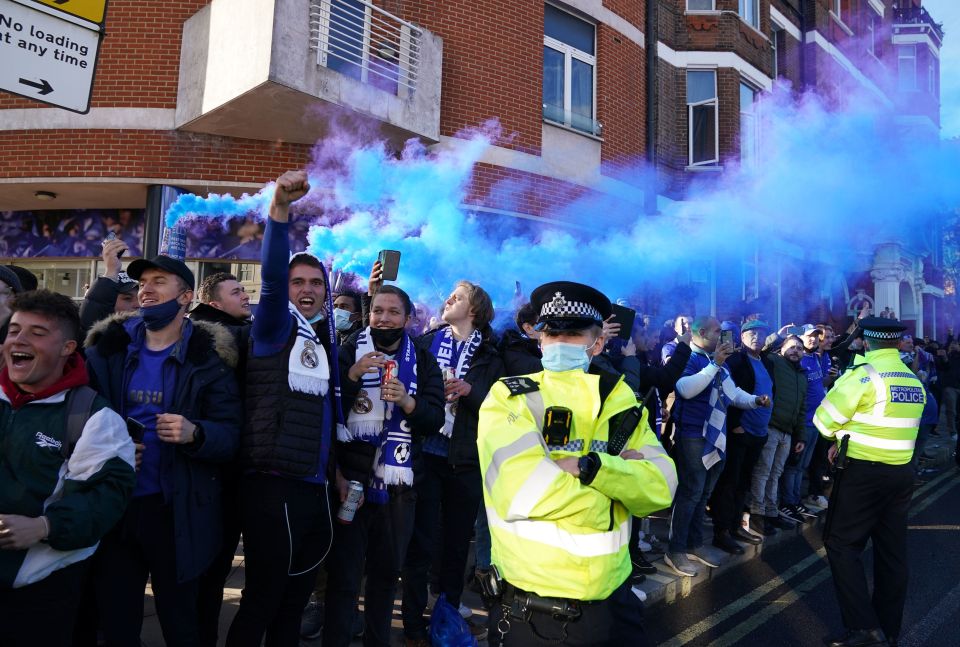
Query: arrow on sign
(43, 86)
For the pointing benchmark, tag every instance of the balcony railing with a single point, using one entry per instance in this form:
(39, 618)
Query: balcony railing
(557, 115)
(917, 16)
(362, 41)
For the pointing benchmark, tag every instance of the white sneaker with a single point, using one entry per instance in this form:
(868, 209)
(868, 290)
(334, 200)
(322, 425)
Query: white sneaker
(819, 501)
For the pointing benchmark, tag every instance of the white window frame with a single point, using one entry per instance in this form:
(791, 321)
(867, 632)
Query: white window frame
(716, 122)
(836, 6)
(755, 114)
(774, 28)
(874, 20)
(569, 53)
(326, 22)
(713, 7)
(900, 58)
(742, 4)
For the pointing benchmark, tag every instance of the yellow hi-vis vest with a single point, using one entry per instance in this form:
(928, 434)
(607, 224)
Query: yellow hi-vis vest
(878, 403)
(552, 535)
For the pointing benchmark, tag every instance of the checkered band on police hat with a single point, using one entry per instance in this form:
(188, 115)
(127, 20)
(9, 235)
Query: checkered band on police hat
(882, 334)
(560, 308)
(565, 305)
(883, 329)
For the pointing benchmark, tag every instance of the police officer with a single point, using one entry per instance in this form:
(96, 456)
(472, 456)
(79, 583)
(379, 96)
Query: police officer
(567, 456)
(873, 412)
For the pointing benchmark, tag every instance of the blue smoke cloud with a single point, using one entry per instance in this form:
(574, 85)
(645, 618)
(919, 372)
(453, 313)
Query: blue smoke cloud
(827, 184)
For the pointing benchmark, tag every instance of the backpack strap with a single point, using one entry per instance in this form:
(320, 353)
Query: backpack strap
(79, 404)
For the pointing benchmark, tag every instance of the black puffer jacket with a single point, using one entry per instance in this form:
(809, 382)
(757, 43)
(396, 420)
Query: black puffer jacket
(521, 355)
(486, 368)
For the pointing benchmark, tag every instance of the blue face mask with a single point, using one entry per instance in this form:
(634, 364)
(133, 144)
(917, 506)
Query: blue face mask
(320, 316)
(561, 356)
(161, 315)
(341, 319)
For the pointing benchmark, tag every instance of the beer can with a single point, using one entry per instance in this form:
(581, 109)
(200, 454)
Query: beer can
(349, 507)
(389, 371)
(449, 374)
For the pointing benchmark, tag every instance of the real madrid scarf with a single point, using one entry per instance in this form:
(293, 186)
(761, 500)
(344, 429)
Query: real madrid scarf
(715, 426)
(308, 370)
(381, 423)
(444, 348)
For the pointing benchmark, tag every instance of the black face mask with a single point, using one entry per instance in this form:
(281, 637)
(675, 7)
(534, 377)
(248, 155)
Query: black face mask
(386, 337)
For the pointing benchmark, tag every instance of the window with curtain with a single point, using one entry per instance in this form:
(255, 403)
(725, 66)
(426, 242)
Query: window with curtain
(569, 70)
(702, 117)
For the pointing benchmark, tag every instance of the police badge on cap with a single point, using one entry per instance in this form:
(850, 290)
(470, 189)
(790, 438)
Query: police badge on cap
(880, 328)
(564, 305)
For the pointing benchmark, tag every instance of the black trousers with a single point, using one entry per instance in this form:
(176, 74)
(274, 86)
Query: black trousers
(447, 499)
(141, 546)
(614, 622)
(210, 595)
(42, 613)
(870, 501)
(287, 532)
(819, 465)
(730, 493)
(379, 536)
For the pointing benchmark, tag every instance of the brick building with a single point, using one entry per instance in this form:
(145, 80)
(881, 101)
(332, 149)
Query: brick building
(223, 95)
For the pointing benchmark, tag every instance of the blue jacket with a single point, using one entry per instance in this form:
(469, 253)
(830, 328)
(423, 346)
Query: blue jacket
(206, 395)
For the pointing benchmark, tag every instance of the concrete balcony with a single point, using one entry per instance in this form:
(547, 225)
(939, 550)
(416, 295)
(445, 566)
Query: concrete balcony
(291, 69)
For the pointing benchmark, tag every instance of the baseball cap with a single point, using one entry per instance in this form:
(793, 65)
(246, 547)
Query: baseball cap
(10, 277)
(126, 284)
(163, 263)
(809, 329)
(754, 325)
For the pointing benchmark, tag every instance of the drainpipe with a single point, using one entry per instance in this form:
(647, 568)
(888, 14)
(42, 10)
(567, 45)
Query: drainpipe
(651, 37)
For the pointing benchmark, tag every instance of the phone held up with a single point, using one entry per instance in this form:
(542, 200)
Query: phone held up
(625, 317)
(389, 264)
(112, 236)
(726, 337)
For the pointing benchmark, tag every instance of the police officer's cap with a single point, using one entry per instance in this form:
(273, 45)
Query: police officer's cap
(564, 305)
(880, 328)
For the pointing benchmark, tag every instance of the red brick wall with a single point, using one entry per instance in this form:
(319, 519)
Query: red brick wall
(501, 188)
(139, 60)
(139, 153)
(621, 97)
(492, 63)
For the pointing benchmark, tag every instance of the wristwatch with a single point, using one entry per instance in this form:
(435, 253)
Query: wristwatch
(589, 465)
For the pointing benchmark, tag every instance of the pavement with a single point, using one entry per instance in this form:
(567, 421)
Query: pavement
(768, 579)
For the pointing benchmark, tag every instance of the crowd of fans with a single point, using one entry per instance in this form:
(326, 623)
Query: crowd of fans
(201, 427)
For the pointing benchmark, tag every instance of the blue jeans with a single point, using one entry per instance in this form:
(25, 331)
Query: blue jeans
(481, 533)
(694, 488)
(792, 478)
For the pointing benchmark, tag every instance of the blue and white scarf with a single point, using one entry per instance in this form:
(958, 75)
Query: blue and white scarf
(383, 424)
(715, 426)
(444, 348)
(308, 370)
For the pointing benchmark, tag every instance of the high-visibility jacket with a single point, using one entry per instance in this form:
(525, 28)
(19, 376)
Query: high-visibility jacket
(552, 535)
(878, 403)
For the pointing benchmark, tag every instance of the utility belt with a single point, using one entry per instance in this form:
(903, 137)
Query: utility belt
(517, 604)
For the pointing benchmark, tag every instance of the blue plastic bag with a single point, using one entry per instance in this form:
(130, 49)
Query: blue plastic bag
(447, 628)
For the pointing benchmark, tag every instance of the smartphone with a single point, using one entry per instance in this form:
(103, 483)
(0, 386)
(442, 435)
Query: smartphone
(135, 428)
(113, 236)
(389, 264)
(726, 337)
(625, 317)
(795, 330)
